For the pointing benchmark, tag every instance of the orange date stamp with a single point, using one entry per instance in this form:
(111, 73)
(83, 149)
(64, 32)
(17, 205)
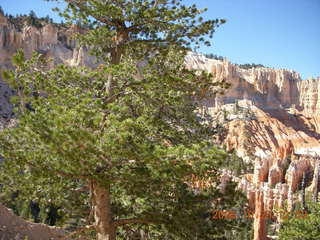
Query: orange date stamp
(249, 214)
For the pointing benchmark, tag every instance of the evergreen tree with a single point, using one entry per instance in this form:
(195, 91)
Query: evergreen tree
(1, 11)
(32, 15)
(302, 225)
(128, 131)
(214, 56)
(33, 19)
(47, 19)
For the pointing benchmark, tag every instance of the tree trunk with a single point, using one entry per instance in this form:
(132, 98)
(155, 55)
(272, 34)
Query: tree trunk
(102, 212)
(315, 180)
(115, 59)
(303, 192)
(105, 227)
(116, 53)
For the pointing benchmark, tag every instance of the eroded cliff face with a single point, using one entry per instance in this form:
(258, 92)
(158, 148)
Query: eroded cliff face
(309, 96)
(52, 41)
(266, 108)
(265, 87)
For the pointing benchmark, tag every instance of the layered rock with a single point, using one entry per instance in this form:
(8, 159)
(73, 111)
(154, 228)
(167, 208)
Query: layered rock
(267, 88)
(259, 224)
(266, 108)
(309, 95)
(271, 132)
(267, 189)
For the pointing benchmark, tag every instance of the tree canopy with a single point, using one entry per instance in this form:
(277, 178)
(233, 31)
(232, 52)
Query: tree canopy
(137, 27)
(306, 227)
(126, 138)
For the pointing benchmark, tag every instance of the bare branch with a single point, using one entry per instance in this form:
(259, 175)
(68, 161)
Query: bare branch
(80, 4)
(61, 173)
(155, 4)
(79, 231)
(122, 222)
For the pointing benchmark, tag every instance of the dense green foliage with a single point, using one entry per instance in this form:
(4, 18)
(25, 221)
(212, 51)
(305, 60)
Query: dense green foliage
(124, 140)
(243, 66)
(306, 227)
(214, 56)
(139, 27)
(130, 143)
(31, 19)
(249, 66)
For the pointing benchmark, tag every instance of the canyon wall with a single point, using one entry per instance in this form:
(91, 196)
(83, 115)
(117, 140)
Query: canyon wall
(267, 108)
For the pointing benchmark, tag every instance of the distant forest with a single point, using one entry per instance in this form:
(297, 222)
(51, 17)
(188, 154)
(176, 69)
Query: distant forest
(214, 56)
(243, 66)
(33, 20)
(249, 66)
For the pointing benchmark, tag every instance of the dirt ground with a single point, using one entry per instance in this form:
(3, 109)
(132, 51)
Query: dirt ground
(13, 227)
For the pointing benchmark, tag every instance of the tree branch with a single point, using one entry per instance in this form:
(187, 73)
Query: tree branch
(77, 232)
(83, 8)
(61, 173)
(137, 27)
(155, 4)
(150, 41)
(122, 222)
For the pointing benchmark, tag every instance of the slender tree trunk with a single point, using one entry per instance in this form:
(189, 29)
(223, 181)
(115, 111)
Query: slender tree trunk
(303, 192)
(115, 59)
(105, 227)
(102, 212)
(315, 180)
(116, 53)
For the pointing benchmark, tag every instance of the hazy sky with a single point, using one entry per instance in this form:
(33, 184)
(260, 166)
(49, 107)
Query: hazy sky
(276, 33)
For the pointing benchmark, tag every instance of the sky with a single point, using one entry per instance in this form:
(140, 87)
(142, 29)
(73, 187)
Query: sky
(275, 33)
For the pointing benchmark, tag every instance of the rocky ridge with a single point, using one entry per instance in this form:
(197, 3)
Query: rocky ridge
(266, 108)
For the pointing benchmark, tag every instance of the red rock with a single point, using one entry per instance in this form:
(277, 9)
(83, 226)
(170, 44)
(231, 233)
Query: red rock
(259, 224)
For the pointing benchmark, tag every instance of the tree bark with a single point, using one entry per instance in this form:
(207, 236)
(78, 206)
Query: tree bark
(303, 192)
(102, 212)
(116, 53)
(315, 180)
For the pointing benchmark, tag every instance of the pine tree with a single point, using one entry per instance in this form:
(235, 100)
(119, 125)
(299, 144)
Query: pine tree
(1, 11)
(128, 131)
(302, 225)
(33, 20)
(47, 19)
